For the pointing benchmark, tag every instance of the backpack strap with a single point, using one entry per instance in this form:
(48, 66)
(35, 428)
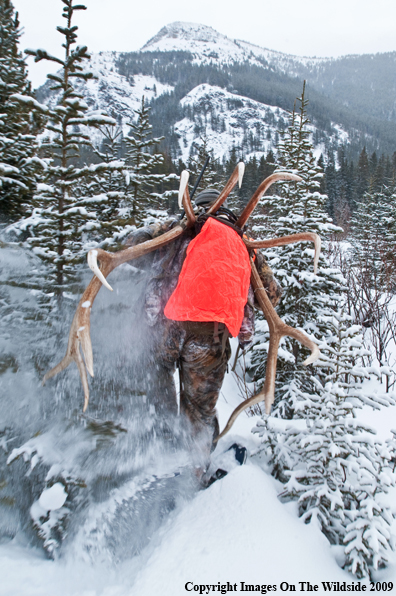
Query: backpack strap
(202, 219)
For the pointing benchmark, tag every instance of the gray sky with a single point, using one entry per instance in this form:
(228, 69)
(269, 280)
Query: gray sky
(304, 27)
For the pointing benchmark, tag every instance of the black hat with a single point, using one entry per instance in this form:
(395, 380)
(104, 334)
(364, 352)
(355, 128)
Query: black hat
(207, 196)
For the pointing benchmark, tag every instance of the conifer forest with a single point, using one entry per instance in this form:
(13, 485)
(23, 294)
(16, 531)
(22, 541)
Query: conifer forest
(76, 175)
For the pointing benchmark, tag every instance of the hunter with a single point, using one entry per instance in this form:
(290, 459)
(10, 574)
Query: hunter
(192, 318)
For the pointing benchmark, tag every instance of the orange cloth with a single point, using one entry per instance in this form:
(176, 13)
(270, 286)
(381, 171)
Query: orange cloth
(214, 281)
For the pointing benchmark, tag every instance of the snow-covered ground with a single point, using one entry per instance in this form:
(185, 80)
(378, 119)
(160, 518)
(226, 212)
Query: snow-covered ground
(229, 118)
(235, 531)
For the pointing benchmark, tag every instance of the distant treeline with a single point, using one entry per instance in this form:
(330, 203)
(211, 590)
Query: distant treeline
(344, 184)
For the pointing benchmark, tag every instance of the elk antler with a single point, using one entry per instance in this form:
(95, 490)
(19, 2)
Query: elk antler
(184, 198)
(282, 240)
(264, 186)
(236, 176)
(79, 334)
(80, 328)
(278, 329)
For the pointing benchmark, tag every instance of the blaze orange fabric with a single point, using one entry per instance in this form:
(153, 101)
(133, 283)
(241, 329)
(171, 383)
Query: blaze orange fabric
(214, 281)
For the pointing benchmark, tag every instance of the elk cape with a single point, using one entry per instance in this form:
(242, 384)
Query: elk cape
(214, 281)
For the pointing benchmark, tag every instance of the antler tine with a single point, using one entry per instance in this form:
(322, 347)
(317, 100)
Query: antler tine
(92, 259)
(278, 329)
(184, 176)
(236, 177)
(188, 208)
(79, 335)
(264, 186)
(302, 237)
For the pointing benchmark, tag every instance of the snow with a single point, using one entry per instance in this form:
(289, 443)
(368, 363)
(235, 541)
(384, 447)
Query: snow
(30, 101)
(235, 114)
(53, 498)
(203, 42)
(235, 531)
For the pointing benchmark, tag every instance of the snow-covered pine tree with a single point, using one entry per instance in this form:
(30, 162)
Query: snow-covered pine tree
(391, 444)
(373, 237)
(114, 216)
(329, 462)
(309, 301)
(63, 219)
(141, 160)
(368, 537)
(20, 121)
(371, 272)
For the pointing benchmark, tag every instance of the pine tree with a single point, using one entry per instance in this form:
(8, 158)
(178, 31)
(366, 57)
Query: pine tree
(20, 120)
(368, 536)
(308, 300)
(327, 461)
(363, 174)
(374, 236)
(63, 217)
(115, 219)
(141, 160)
(330, 464)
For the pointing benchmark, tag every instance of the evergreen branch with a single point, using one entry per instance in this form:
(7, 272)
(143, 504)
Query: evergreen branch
(86, 76)
(56, 78)
(29, 101)
(68, 31)
(43, 55)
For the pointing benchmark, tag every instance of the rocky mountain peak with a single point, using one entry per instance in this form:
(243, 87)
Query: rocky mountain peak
(182, 31)
(205, 43)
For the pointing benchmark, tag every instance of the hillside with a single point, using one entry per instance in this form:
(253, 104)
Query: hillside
(257, 86)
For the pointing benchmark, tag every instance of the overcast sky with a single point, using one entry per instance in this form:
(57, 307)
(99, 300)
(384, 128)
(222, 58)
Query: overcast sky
(302, 27)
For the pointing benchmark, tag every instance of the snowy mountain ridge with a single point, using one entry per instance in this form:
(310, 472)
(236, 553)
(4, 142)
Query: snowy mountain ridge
(207, 44)
(231, 121)
(225, 119)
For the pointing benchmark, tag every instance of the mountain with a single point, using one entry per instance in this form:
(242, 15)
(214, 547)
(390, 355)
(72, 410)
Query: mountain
(364, 83)
(199, 83)
(207, 45)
